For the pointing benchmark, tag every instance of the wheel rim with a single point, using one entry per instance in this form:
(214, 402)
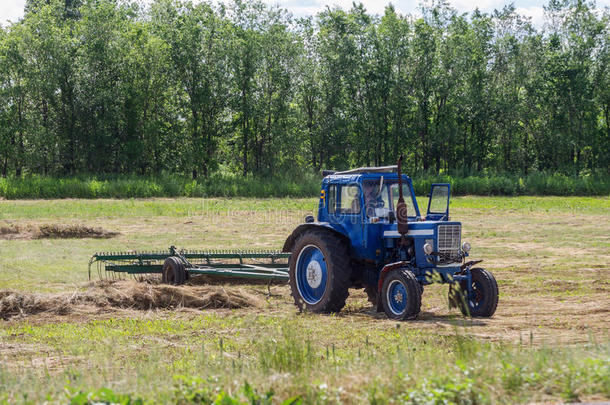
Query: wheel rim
(311, 274)
(476, 299)
(397, 297)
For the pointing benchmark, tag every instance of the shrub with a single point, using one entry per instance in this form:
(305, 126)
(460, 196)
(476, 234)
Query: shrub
(286, 185)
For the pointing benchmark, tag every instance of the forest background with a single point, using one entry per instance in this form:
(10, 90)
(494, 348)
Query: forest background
(113, 98)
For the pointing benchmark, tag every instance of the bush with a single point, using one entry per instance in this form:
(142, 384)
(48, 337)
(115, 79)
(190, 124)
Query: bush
(217, 185)
(511, 185)
(288, 185)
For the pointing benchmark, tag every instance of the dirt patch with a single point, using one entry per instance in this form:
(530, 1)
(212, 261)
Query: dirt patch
(52, 231)
(111, 295)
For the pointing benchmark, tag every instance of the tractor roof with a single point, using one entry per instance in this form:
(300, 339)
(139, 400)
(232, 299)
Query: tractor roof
(361, 173)
(362, 170)
(379, 169)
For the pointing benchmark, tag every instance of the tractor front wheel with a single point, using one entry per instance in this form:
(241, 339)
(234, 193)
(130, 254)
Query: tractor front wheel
(401, 295)
(320, 272)
(173, 271)
(483, 300)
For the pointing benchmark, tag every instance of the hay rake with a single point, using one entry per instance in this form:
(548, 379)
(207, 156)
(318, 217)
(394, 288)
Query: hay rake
(176, 266)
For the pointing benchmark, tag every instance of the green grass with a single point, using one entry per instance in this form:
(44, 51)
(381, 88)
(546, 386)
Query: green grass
(313, 358)
(549, 340)
(156, 224)
(530, 204)
(142, 208)
(193, 207)
(295, 185)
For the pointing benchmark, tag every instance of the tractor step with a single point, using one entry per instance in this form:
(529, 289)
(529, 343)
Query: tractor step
(249, 264)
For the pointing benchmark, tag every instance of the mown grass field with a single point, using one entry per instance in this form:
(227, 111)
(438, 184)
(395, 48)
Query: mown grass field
(549, 340)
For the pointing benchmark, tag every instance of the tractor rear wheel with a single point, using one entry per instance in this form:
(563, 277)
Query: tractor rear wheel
(484, 298)
(173, 271)
(320, 272)
(401, 295)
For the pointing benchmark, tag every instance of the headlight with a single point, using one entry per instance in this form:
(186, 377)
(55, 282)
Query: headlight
(428, 248)
(465, 246)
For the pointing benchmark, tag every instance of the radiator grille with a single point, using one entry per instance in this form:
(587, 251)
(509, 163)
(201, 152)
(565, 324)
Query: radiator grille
(449, 238)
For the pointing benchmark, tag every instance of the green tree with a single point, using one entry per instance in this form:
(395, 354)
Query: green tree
(196, 35)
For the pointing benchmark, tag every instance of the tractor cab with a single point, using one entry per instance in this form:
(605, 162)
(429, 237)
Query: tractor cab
(372, 198)
(362, 205)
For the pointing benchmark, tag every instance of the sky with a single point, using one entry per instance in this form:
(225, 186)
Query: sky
(12, 10)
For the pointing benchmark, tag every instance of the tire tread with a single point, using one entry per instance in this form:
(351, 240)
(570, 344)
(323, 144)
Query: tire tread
(488, 281)
(179, 272)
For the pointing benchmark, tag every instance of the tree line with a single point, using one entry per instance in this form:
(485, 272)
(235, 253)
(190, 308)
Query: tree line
(110, 86)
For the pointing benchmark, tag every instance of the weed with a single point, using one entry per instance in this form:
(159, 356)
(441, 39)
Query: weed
(289, 352)
(443, 391)
(101, 396)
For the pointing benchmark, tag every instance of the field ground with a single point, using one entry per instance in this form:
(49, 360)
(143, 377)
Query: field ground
(548, 342)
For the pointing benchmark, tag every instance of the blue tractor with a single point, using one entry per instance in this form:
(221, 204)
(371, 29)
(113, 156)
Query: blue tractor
(371, 234)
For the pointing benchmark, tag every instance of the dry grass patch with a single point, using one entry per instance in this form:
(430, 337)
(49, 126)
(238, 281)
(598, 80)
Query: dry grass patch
(112, 295)
(53, 231)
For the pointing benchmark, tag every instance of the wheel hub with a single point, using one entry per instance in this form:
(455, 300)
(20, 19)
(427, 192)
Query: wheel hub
(311, 274)
(398, 297)
(478, 296)
(314, 274)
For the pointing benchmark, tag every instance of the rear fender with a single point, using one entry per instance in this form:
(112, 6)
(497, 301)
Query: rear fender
(298, 231)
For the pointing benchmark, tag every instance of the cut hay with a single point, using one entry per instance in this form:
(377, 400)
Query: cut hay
(52, 231)
(72, 231)
(129, 295)
(12, 231)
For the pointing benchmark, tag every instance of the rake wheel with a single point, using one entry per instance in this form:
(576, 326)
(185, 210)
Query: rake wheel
(173, 271)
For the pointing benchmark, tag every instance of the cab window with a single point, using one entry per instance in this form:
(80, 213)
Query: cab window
(376, 201)
(331, 199)
(406, 193)
(349, 203)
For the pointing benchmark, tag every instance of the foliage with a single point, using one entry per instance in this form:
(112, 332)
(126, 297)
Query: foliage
(444, 391)
(230, 185)
(197, 88)
(101, 396)
(195, 390)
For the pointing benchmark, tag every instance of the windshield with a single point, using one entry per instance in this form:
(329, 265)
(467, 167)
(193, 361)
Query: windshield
(380, 197)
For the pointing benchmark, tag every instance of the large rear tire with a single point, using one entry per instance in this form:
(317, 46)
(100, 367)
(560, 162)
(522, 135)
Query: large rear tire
(173, 271)
(484, 299)
(401, 295)
(320, 272)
